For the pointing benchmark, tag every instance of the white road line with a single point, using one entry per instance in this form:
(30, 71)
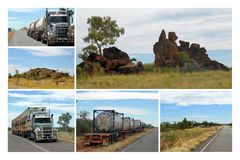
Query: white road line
(135, 143)
(211, 140)
(35, 145)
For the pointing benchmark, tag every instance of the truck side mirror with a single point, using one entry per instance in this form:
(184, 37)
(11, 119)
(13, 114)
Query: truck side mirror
(51, 115)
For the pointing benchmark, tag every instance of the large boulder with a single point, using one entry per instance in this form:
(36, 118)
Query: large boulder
(184, 46)
(113, 53)
(166, 50)
(131, 69)
(158, 50)
(167, 54)
(111, 60)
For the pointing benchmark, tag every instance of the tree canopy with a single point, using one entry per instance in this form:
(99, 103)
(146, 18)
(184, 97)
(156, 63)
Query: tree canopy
(102, 31)
(64, 120)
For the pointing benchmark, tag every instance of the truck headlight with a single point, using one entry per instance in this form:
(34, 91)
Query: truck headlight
(37, 129)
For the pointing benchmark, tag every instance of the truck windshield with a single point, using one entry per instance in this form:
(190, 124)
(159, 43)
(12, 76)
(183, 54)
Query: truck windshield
(42, 120)
(58, 19)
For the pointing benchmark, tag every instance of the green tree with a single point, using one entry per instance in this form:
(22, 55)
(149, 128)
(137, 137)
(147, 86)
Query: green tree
(84, 125)
(83, 114)
(102, 31)
(64, 120)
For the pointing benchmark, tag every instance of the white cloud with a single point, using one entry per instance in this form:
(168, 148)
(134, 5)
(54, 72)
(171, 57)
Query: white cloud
(44, 96)
(143, 26)
(12, 69)
(196, 97)
(116, 95)
(49, 52)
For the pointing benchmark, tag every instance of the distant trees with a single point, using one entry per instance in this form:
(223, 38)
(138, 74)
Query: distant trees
(84, 125)
(102, 31)
(64, 121)
(185, 124)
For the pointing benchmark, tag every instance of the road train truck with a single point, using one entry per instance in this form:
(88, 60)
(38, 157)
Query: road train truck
(35, 123)
(110, 126)
(56, 27)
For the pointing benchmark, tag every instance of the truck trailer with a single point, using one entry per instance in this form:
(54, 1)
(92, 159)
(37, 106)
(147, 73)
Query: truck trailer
(54, 28)
(35, 123)
(110, 126)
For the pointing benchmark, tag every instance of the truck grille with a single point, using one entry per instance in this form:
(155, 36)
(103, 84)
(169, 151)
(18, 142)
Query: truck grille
(62, 31)
(47, 130)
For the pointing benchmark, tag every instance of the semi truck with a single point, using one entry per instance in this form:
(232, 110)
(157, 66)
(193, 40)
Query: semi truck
(35, 123)
(56, 27)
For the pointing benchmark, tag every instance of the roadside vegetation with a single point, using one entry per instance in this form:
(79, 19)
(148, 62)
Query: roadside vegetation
(154, 77)
(186, 135)
(65, 133)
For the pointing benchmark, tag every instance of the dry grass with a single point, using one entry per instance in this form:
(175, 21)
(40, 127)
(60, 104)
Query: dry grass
(185, 140)
(110, 148)
(178, 80)
(22, 83)
(66, 136)
(10, 34)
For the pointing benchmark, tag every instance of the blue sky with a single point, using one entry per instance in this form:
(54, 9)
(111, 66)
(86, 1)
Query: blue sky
(52, 58)
(197, 105)
(22, 17)
(210, 27)
(58, 101)
(141, 105)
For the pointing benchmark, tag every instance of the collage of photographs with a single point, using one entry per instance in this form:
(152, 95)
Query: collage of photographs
(108, 80)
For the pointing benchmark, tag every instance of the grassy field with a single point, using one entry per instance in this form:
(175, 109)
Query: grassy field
(10, 34)
(110, 148)
(20, 83)
(66, 136)
(151, 80)
(185, 140)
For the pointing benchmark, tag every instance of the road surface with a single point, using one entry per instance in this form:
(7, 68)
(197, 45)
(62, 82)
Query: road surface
(20, 38)
(220, 142)
(147, 143)
(19, 144)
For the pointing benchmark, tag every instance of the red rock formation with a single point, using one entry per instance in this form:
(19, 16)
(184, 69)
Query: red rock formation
(166, 50)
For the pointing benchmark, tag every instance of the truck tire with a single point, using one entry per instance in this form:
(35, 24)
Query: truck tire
(35, 138)
(48, 44)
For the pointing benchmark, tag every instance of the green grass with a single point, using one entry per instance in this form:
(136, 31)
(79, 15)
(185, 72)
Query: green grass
(157, 78)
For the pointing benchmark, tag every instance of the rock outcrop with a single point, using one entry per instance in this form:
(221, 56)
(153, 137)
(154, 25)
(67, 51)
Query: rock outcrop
(113, 61)
(43, 73)
(166, 50)
(199, 54)
(167, 54)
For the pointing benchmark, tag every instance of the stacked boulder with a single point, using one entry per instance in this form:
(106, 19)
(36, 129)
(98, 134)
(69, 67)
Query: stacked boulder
(113, 60)
(44, 73)
(166, 50)
(167, 54)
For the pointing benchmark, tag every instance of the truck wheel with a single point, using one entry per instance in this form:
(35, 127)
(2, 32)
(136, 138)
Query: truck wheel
(49, 44)
(35, 139)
